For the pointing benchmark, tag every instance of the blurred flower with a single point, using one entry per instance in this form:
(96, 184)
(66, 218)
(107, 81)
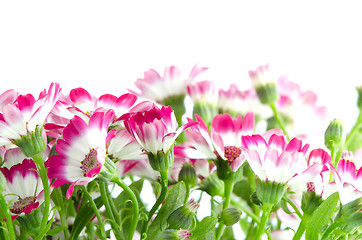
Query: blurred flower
(264, 84)
(82, 152)
(173, 83)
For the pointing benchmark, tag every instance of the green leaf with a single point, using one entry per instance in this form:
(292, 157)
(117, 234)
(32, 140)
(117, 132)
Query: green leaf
(206, 225)
(321, 216)
(84, 215)
(174, 199)
(56, 230)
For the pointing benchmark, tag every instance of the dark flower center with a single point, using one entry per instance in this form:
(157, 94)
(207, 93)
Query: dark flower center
(232, 153)
(21, 204)
(89, 162)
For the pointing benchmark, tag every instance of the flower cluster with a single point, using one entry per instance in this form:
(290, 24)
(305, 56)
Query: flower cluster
(263, 156)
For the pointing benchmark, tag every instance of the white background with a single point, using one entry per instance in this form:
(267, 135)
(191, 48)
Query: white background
(105, 46)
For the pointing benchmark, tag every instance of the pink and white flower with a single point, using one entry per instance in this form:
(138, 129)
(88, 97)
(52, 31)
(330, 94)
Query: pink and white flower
(23, 187)
(22, 117)
(235, 102)
(348, 182)
(272, 159)
(155, 87)
(202, 92)
(154, 129)
(82, 152)
(225, 139)
(261, 76)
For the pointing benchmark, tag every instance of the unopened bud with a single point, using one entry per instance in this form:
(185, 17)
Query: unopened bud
(183, 216)
(188, 175)
(310, 202)
(213, 186)
(175, 235)
(334, 133)
(230, 216)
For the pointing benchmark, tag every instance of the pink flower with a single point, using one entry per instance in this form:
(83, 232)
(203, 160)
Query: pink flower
(235, 102)
(261, 76)
(154, 129)
(225, 140)
(23, 117)
(272, 159)
(348, 182)
(23, 187)
(82, 152)
(202, 92)
(173, 83)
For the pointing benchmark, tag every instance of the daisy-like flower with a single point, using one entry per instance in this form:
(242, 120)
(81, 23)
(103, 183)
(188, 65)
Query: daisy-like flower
(173, 83)
(26, 114)
(82, 152)
(274, 160)
(348, 182)
(24, 190)
(202, 92)
(299, 109)
(264, 84)
(155, 130)
(237, 102)
(225, 140)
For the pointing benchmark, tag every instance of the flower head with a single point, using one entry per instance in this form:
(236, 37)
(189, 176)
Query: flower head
(24, 188)
(173, 83)
(82, 152)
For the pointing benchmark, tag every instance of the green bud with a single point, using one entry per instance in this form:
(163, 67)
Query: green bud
(334, 134)
(33, 143)
(270, 192)
(188, 175)
(174, 235)
(230, 216)
(161, 161)
(213, 186)
(2, 182)
(183, 217)
(267, 93)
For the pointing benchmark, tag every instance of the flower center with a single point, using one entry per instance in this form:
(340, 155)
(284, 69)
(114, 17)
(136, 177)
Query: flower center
(89, 162)
(310, 187)
(232, 153)
(21, 204)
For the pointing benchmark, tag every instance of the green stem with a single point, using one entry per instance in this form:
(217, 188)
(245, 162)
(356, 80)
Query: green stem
(264, 218)
(128, 190)
(57, 194)
(38, 159)
(353, 131)
(9, 221)
(95, 209)
(279, 120)
(301, 228)
(164, 183)
(246, 210)
(106, 201)
(294, 207)
(228, 188)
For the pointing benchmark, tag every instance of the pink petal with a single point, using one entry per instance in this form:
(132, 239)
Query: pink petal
(79, 95)
(294, 145)
(248, 124)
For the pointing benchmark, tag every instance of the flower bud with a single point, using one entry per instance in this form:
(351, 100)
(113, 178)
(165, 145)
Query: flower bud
(183, 216)
(174, 235)
(213, 186)
(270, 192)
(33, 143)
(333, 134)
(230, 216)
(188, 175)
(2, 182)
